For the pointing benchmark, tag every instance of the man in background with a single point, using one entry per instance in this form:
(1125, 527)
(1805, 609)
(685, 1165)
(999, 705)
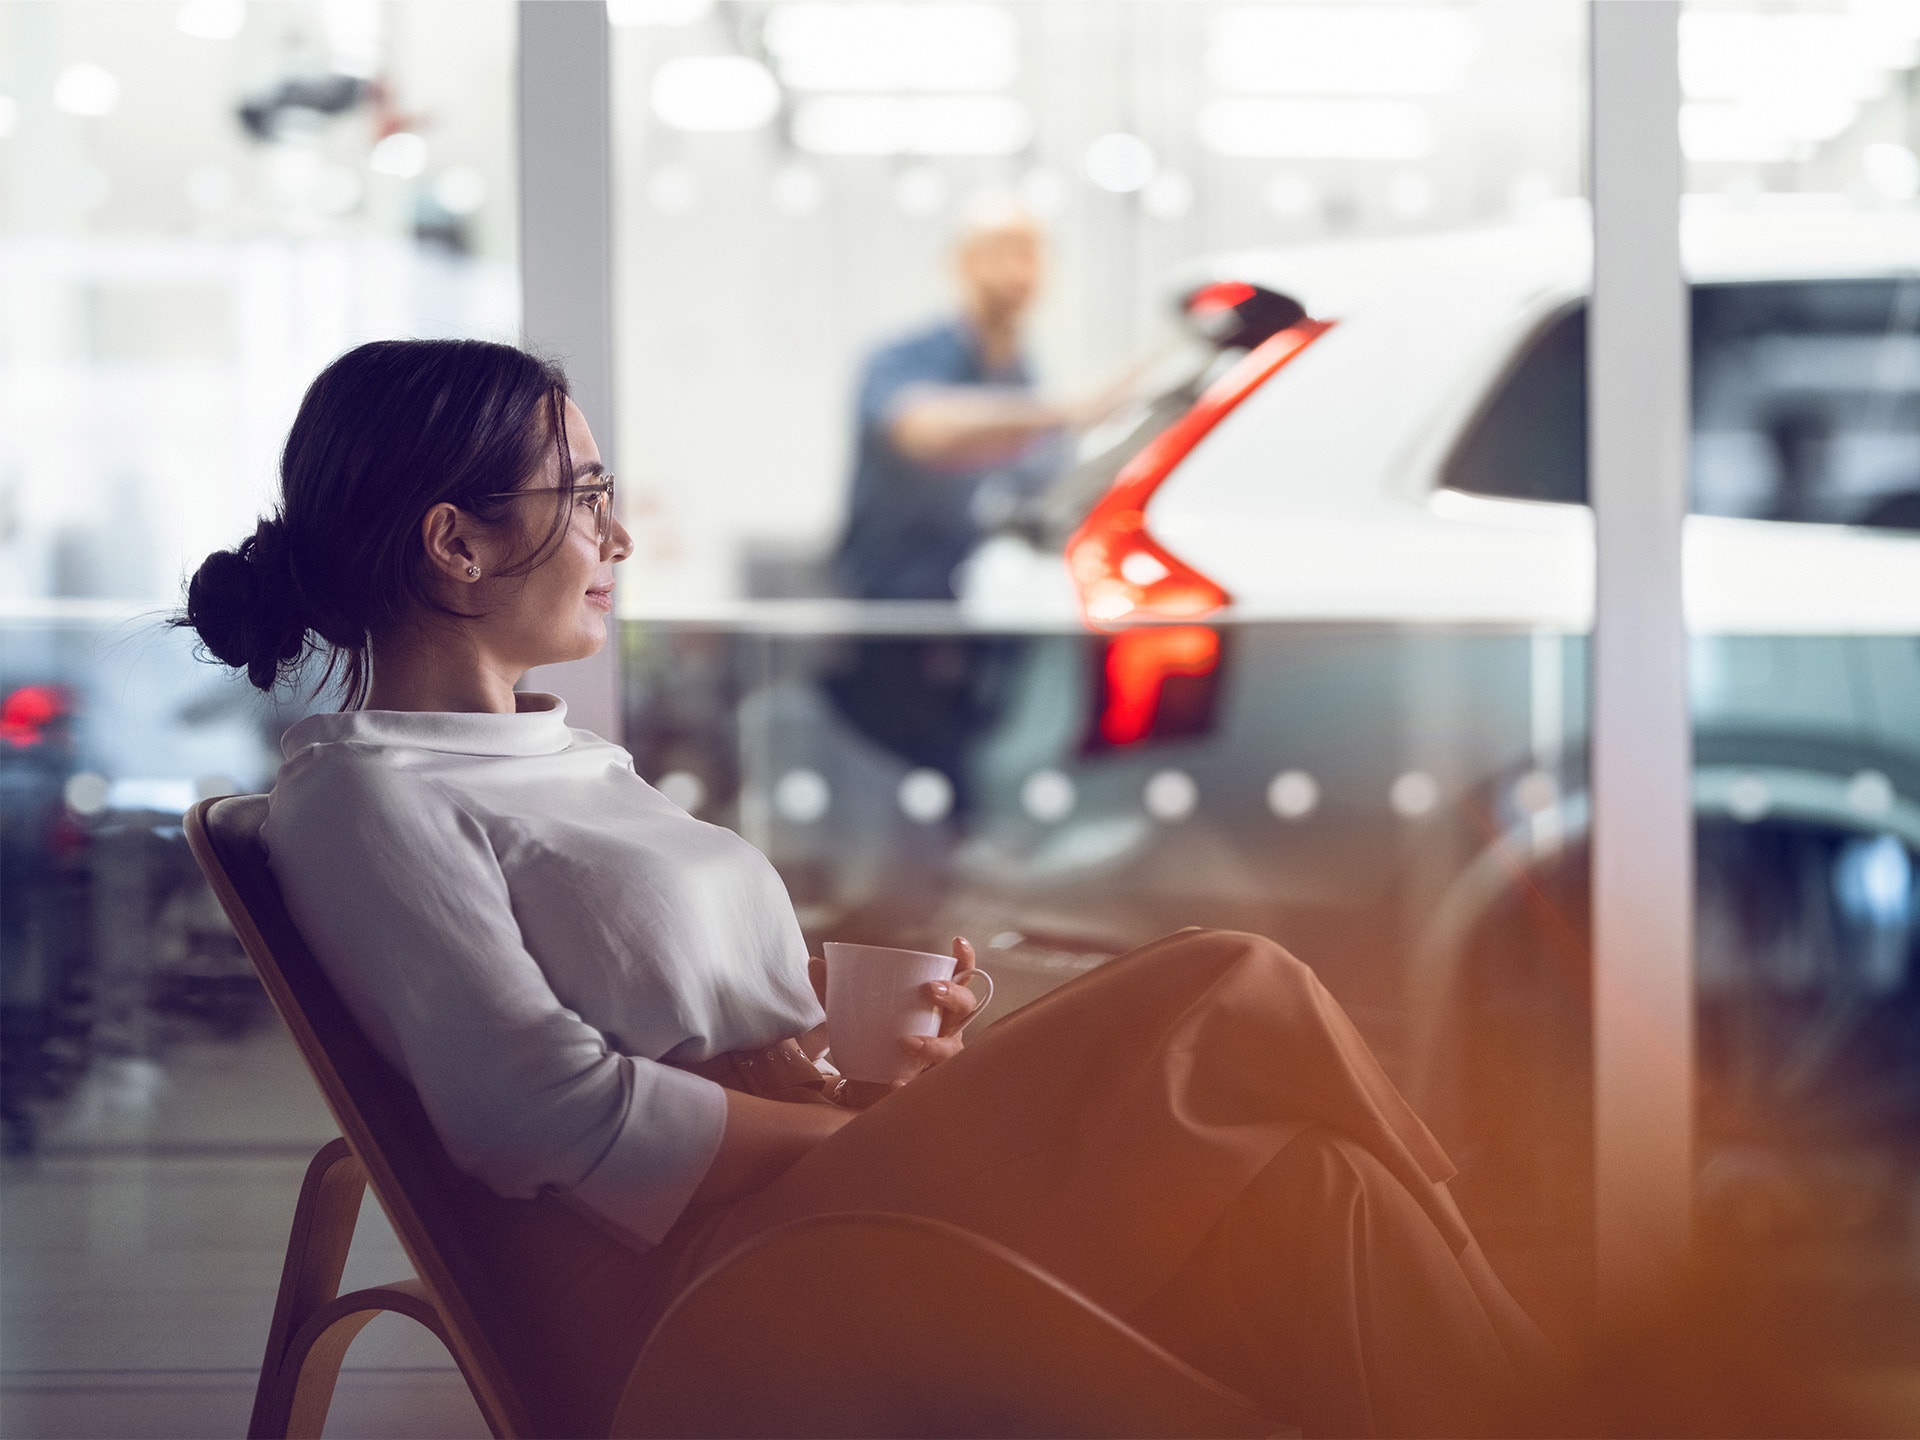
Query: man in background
(951, 434)
(951, 439)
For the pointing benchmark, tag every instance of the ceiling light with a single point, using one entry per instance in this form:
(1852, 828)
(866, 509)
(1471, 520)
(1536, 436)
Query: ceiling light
(87, 89)
(211, 19)
(1120, 162)
(886, 45)
(402, 153)
(715, 92)
(1348, 49)
(658, 12)
(1318, 129)
(912, 125)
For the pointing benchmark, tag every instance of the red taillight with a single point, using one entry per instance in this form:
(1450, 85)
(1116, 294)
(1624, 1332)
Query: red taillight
(26, 713)
(1221, 295)
(1121, 571)
(1139, 664)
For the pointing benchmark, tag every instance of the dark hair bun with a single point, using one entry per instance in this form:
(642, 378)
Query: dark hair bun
(246, 608)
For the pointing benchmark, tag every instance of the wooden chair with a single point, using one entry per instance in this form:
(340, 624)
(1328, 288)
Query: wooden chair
(1012, 1351)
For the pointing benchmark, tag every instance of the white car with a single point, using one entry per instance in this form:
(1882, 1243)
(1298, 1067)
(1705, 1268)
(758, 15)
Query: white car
(1298, 647)
(1335, 596)
(1357, 480)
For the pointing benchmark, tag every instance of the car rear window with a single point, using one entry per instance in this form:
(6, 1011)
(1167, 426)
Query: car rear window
(1806, 406)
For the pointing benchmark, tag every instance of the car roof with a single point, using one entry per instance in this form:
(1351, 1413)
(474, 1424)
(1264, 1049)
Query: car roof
(1425, 325)
(1777, 237)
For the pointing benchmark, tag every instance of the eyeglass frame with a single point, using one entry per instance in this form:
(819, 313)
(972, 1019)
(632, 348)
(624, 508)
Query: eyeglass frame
(601, 487)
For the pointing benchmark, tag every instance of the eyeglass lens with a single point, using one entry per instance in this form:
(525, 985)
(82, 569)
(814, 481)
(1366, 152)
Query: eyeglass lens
(603, 513)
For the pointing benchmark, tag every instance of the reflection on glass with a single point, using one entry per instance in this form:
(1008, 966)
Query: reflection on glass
(1302, 647)
(1231, 652)
(203, 204)
(1802, 558)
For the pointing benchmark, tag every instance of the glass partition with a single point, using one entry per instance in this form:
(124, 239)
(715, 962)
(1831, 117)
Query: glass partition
(1294, 638)
(1233, 645)
(1804, 601)
(203, 204)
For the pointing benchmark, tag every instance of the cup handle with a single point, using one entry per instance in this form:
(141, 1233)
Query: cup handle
(985, 1000)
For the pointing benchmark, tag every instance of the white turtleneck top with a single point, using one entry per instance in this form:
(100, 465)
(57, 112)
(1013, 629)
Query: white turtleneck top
(525, 928)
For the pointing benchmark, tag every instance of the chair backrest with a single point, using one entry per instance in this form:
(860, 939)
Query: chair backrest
(447, 1221)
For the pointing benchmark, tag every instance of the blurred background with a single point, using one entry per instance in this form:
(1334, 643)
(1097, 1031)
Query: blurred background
(1333, 691)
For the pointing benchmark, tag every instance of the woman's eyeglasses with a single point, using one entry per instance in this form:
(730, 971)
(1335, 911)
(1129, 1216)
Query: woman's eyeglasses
(596, 496)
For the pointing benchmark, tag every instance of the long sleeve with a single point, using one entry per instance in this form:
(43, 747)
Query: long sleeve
(396, 886)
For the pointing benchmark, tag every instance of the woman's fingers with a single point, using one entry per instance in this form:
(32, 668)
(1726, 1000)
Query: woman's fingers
(931, 1050)
(952, 997)
(953, 1000)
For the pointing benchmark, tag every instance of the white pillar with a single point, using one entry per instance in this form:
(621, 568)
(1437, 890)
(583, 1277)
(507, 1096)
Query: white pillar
(1642, 745)
(566, 261)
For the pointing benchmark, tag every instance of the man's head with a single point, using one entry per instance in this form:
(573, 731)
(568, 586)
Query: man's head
(999, 259)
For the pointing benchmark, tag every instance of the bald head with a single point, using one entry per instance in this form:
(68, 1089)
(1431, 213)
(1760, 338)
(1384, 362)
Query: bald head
(999, 258)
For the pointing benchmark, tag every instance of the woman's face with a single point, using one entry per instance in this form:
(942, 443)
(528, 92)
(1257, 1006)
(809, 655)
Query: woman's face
(559, 610)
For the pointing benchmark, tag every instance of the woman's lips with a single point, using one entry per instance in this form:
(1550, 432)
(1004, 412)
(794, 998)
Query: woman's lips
(600, 599)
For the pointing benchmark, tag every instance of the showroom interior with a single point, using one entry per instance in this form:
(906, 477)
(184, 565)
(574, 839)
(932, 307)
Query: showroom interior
(1483, 556)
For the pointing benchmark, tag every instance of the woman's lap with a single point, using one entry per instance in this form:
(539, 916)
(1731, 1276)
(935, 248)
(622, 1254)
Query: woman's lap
(1103, 1129)
(1123, 1129)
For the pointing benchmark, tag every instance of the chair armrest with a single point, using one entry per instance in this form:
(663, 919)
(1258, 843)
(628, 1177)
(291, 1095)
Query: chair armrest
(896, 1325)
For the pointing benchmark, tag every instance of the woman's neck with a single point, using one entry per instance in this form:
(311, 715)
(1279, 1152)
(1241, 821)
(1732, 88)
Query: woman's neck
(437, 668)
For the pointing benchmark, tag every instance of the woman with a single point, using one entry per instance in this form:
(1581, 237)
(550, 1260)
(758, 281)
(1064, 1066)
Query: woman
(569, 969)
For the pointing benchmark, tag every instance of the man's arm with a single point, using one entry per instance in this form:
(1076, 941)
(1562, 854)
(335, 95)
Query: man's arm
(965, 427)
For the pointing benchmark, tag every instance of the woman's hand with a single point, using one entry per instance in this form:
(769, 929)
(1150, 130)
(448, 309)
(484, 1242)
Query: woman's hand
(956, 1004)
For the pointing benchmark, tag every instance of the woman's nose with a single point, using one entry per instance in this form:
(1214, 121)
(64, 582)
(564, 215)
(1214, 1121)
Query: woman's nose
(619, 542)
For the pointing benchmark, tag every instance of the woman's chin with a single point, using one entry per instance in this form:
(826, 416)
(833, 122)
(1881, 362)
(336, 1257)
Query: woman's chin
(593, 638)
(589, 640)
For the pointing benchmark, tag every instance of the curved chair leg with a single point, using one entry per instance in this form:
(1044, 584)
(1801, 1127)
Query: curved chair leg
(313, 1324)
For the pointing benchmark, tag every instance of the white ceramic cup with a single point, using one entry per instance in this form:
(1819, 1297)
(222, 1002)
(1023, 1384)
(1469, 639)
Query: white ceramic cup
(874, 1001)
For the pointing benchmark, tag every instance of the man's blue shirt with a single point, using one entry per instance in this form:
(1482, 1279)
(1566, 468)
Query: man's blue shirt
(909, 525)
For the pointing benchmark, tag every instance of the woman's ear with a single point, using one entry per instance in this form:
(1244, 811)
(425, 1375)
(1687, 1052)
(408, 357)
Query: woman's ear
(446, 535)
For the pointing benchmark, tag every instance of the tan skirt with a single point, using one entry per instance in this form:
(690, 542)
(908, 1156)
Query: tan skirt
(1195, 1137)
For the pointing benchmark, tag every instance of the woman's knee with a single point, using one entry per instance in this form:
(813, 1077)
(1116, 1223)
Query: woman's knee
(1222, 951)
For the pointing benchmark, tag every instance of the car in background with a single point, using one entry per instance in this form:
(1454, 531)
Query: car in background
(1299, 646)
(1336, 586)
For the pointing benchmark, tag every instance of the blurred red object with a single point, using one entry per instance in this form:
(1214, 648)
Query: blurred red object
(1139, 664)
(26, 713)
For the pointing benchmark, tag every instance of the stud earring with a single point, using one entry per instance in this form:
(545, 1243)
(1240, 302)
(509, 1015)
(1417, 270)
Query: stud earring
(473, 572)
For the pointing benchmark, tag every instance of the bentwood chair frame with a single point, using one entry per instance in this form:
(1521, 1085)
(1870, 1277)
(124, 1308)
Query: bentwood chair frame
(1010, 1351)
